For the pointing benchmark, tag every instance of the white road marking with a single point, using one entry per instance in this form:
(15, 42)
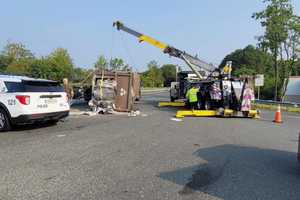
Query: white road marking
(176, 120)
(60, 135)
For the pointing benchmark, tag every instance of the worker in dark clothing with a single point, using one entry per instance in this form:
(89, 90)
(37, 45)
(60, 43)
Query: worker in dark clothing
(192, 97)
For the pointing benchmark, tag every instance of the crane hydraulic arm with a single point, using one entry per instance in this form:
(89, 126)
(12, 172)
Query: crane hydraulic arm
(191, 61)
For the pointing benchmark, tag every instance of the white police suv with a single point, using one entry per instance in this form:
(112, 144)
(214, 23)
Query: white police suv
(25, 100)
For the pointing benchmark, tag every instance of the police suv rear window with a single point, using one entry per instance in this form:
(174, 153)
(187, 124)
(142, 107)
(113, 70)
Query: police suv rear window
(33, 86)
(14, 86)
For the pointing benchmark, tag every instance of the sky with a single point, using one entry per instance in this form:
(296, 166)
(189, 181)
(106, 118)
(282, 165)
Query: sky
(209, 28)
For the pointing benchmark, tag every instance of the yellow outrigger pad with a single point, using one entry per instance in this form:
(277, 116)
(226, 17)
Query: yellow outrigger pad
(213, 113)
(254, 114)
(196, 113)
(171, 104)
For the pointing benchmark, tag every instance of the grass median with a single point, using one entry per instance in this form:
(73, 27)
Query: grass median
(274, 107)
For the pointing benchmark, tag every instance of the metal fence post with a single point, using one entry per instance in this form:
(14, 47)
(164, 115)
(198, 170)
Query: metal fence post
(298, 148)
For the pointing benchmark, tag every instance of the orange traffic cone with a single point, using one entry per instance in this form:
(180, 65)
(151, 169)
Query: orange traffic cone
(278, 118)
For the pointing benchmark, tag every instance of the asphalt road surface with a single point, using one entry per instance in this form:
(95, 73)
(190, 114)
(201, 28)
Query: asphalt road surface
(152, 156)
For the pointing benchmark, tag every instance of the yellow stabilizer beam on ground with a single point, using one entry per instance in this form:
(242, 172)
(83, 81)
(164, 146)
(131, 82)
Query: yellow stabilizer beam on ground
(213, 113)
(171, 104)
(254, 114)
(228, 112)
(196, 113)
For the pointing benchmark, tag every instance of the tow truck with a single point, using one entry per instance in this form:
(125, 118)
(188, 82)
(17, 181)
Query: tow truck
(220, 93)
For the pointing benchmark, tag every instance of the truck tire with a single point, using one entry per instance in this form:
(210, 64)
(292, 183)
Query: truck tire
(87, 94)
(207, 105)
(4, 121)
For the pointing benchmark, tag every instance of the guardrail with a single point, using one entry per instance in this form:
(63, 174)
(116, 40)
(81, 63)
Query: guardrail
(271, 102)
(145, 90)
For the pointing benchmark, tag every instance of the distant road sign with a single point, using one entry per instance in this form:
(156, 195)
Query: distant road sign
(259, 80)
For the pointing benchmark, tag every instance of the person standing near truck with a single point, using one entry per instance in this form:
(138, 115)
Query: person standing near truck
(192, 97)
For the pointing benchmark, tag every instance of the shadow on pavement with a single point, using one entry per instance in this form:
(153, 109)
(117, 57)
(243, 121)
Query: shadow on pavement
(237, 172)
(151, 101)
(80, 107)
(26, 127)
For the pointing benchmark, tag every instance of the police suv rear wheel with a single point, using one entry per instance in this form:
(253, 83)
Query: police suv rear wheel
(4, 121)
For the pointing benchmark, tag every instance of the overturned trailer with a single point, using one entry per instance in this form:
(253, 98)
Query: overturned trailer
(114, 91)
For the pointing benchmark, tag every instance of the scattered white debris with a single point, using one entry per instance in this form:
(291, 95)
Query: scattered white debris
(134, 113)
(176, 119)
(76, 113)
(137, 112)
(90, 113)
(119, 113)
(60, 135)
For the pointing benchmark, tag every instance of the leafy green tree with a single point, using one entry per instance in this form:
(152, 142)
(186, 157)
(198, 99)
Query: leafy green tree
(61, 64)
(20, 67)
(281, 37)
(249, 61)
(116, 64)
(17, 51)
(4, 62)
(41, 68)
(168, 73)
(79, 75)
(16, 59)
(296, 70)
(245, 71)
(101, 63)
(126, 67)
(252, 61)
(153, 76)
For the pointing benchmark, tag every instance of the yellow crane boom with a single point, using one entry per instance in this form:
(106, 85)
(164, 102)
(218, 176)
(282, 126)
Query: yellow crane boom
(191, 61)
(140, 36)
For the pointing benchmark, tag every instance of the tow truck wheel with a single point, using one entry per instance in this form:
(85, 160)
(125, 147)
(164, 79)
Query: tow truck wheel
(172, 99)
(53, 121)
(245, 113)
(4, 121)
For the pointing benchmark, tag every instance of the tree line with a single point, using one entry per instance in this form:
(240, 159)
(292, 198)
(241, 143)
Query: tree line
(277, 52)
(154, 76)
(276, 56)
(158, 76)
(16, 59)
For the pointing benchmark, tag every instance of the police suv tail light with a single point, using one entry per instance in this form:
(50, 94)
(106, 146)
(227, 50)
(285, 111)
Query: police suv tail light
(25, 100)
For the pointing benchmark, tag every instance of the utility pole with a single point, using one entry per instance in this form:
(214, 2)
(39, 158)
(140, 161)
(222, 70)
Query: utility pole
(176, 73)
